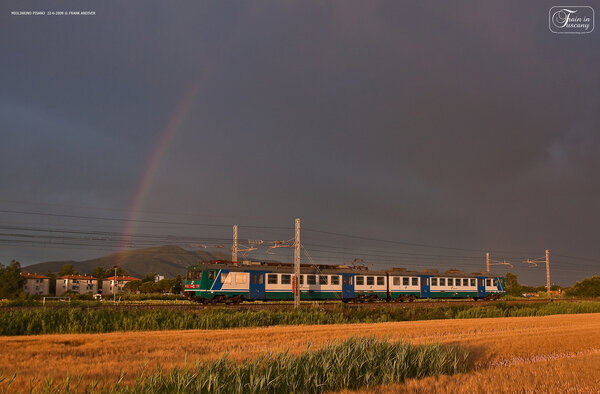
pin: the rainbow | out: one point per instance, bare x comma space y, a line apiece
164, 139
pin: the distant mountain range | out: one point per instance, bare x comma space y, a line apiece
168, 260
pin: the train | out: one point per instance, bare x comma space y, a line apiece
221, 281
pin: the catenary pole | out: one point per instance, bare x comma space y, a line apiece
234, 249
297, 265
548, 272
115, 286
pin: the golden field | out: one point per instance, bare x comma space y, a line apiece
547, 354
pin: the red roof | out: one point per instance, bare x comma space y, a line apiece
126, 278
28, 275
79, 277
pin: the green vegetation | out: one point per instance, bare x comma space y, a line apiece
554, 308
148, 286
67, 269
589, 287
11, 282
351, 364
31, 321
514, 289
354, 363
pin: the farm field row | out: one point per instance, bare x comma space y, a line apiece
507, 353
82, 320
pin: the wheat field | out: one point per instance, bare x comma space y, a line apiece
551, 353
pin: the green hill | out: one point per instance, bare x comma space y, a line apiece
168, 260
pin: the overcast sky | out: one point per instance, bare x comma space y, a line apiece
466, 125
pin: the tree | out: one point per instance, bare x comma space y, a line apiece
164, 285
148, 287
513, 287
111, 272
589, 287
132, 287
67, 269
149, 277
99, 273
52, 280
177, 285
11, 281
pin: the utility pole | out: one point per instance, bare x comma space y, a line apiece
297, 265
234, 249
487, 262
115, 286
548, 272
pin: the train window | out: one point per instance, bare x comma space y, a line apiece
190, 275
323, 279
360, 280
434, 282
405, 281
472, 282
442, 281
488, 282
335, 280
253, 277
396, 280
261, 278
286, 279
415, 281
370, 280
225, 278
272, 279
465, 282
211, 275
311, 279
450, 282
495, 282
301, 279
380, 280
198, 275
240, 277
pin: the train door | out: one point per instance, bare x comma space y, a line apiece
257, 285
501, 284
480, 287
425, 289
347, 286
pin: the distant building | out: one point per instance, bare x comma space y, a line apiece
115, 284
158, 277
35, 284
82, 284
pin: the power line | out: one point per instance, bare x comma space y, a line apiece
136, 220
407, 243
577, 258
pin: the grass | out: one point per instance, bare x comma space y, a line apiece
80, 320
498, 347
351, 364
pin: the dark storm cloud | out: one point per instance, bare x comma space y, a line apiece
467, 125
